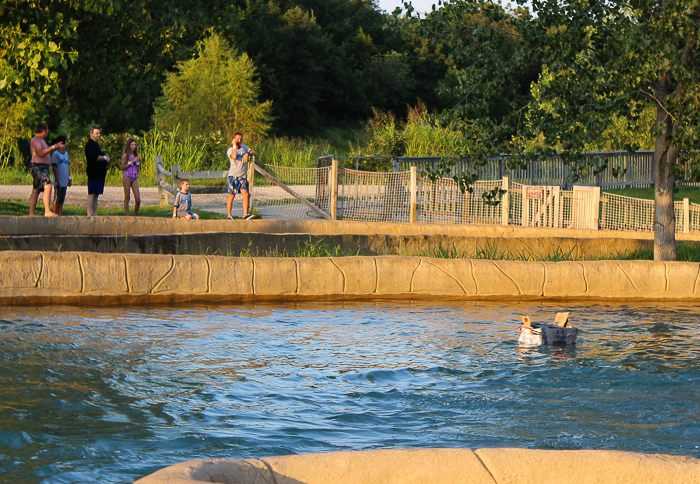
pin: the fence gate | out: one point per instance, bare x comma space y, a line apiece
585, 208
542, 206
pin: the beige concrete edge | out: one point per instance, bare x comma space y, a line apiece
24, 225
439, 465
30, 277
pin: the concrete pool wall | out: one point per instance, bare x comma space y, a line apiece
30, 277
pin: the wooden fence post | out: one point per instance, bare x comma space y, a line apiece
596, 208
250, 176
334, 188
414, 193
505, 202
686, 216
162, 193
525, 218
176, 177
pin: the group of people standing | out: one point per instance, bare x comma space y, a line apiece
45, 156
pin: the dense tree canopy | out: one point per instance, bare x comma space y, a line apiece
104, 61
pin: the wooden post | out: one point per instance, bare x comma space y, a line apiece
596, 208
176, 177
505, 203
557, 213
525, 220
334, 188
628, 170
414, 193
686, 216
250, 176
162, 193
322, 182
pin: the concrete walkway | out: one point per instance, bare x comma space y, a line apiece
114, 197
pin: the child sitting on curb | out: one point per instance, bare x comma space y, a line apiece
183, 202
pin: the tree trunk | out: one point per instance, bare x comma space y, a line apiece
664, 213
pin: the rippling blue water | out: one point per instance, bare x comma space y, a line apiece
110, 395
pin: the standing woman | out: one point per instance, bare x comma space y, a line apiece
96, 169
131, 161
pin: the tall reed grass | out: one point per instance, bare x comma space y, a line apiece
419, 135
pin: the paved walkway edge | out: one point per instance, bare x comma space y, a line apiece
31, 277
23, 225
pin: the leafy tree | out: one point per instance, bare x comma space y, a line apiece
214, 92
603, 62
33, 53
612, 58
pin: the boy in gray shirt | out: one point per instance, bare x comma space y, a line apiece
183, 202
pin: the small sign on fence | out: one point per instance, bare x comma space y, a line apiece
535, 193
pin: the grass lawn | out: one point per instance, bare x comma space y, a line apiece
691, 193
21, 207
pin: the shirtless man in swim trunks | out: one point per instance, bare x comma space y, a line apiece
41, 169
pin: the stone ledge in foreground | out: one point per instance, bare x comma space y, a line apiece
437, 466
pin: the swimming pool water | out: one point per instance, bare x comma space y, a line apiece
110, 395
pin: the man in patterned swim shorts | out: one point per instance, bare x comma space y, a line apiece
237, 175
41, 169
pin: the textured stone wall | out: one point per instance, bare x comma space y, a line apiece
83, 277
439, 466
356, 244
